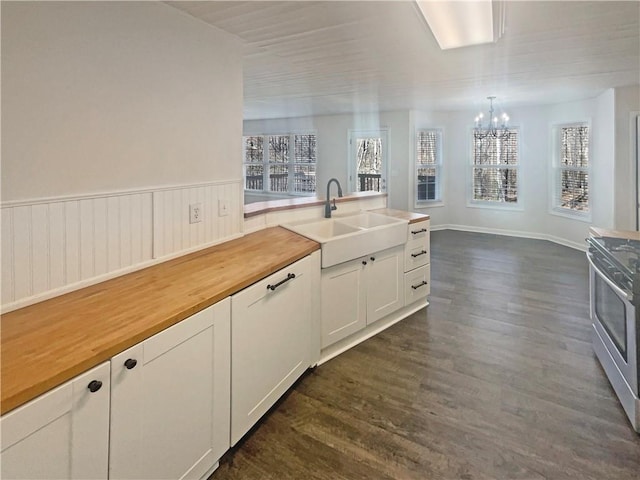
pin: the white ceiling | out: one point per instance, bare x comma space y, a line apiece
314, 58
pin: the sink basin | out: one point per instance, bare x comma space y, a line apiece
343, 238
368, 220
325, 229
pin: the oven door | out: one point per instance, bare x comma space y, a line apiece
614, 319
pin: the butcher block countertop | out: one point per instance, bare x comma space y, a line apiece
604, 232
401, 214
46, 344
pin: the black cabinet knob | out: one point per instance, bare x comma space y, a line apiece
94, 386
373, 259
364, 262
130, 363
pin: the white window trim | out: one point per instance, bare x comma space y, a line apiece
413, 181
471, 203
554, 170
265, 162
385, 134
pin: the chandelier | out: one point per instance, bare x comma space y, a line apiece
491, 130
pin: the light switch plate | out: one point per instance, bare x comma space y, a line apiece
223, 207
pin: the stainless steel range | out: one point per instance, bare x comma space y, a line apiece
615, 311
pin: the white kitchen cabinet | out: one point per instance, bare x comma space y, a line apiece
343, 294
170, 400
62, 434
417, 260
359, 292
384, 283
271, 340
417, 284
417, 249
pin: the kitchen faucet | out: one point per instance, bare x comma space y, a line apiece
327, 206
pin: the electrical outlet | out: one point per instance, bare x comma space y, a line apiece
195, 213
223, 207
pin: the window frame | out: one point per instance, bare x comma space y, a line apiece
555, 189
438, 166
290, 164
491, 204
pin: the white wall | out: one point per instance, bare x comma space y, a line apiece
116, 116
333, 148
627, 107
103, 96
533, 217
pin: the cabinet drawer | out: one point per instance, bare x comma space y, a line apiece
416, 250
417, 256
417, 233
417, 284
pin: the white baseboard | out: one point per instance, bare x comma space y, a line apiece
511, 233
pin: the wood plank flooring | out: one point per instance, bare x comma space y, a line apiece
496, 379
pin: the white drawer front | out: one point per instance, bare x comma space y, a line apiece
417, 233
416, 256
417, 284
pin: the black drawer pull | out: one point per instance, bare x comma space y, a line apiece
290, 276
130, 363
94, 386
422, 230
422, 252
421, 284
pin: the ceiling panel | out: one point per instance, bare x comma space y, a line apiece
313, 58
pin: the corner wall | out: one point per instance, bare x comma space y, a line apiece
627, 108
116, 116
104, 96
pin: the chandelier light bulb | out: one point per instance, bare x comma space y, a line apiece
492, 129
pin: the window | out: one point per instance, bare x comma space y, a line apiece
428, 161
269, 165
571, 170
495, 168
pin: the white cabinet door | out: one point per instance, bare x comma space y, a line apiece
344, 301
170, 400
385, 283
61, 434
270, 341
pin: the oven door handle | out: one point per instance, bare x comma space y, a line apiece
619, 291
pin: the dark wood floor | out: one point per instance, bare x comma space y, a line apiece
496, 379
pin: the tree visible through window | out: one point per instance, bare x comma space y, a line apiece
428, 165
369, 163
275, 169
572, 177
495, 167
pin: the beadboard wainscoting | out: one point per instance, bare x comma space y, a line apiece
53, 246
172, 231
